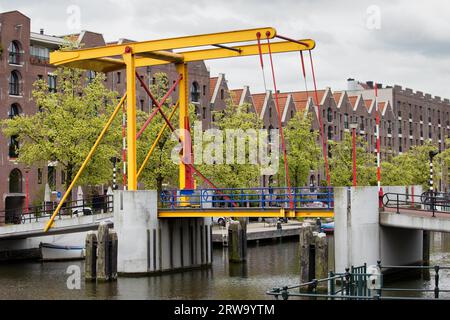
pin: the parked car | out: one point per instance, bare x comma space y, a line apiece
221, 221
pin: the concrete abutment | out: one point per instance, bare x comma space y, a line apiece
149, 245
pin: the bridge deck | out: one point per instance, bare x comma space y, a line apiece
415, 219
246, 212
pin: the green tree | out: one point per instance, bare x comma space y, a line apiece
67, 124
341, 162
303, 152
412, 167
233, 174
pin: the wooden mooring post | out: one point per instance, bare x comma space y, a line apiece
237, 240
101, 254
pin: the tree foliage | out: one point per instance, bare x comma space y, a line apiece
341, 162
233, 175
67, 124
303, 152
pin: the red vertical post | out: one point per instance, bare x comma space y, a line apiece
354, 155
27, 190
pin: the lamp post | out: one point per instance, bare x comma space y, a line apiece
432, 154
27, 189
353, 127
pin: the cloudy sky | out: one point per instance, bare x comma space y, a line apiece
392, 42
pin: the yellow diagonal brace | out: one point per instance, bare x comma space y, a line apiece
161, 131
85, 162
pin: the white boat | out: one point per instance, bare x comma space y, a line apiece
54, 252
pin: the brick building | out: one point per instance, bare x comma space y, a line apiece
24, 58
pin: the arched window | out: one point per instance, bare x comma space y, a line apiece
13, 148
330, 133
14, 54
15, 181
15, 80
14, 111
329, 115
195, 92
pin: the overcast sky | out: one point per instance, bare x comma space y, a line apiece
392, 42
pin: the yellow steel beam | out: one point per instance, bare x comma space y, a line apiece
247, 50
170, 57
131, 120
85, 162
242, 212
112, 64
61, 57
182, 116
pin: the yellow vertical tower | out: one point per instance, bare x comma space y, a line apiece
128, 58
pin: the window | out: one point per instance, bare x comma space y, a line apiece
195, 92
14, 111
39, 176
13, 148
330, 133
362, 123
292, 113
141, 102
400, 145
51, 83
430, 133
15, 181
91, 76
14, 54
221, 94
118, 76
270, 112
15, 85
40, 53
204, 90
63, 177
329, 115
51, 177
389, 128
204, 113
40, 77
346, 121
399, 127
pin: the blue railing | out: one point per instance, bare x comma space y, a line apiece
265, 198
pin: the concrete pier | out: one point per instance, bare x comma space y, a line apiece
149, 245
103, 260
321, 259
90, 262
305, 242
237, 240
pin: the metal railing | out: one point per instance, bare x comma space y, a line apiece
263, 198
88, 206
427, 201
352, 285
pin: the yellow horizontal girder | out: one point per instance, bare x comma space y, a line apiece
246, 50
66, 56
112, 64
280, 213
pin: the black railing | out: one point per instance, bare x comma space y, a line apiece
15, 58
88, 206
353, 284
428, 201
15, 88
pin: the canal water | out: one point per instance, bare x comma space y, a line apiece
270, 264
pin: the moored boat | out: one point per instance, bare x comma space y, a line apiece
55, 252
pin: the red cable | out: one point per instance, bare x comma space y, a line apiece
258, 37
304, 74
324, 146
283, 145
172, 128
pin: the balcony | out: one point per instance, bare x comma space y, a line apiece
39, 60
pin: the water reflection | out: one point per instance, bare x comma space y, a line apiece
269, 264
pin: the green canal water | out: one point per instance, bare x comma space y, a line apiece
269, 265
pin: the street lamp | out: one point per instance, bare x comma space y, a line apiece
353, 127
